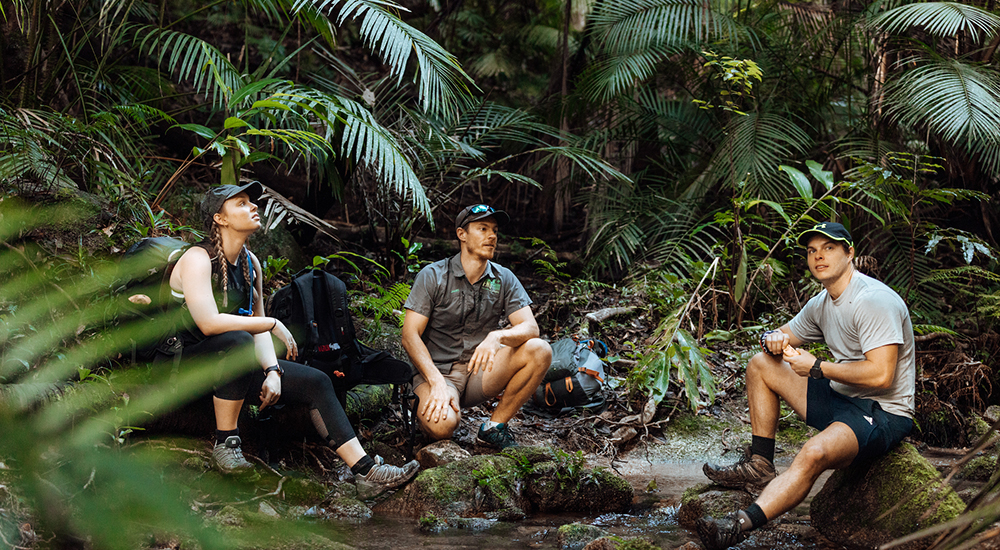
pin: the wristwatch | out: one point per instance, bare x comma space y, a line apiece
816, 371
281, 371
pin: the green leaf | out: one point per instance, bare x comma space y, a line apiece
202, 131
234, 122
799, 181
249, 90
824, 176
270, 104
740, 284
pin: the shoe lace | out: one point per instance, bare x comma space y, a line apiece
383, 473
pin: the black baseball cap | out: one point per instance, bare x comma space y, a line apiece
477, 212
833, 230
215, 196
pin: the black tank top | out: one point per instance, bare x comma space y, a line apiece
239, 293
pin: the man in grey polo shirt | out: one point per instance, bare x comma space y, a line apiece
452, 333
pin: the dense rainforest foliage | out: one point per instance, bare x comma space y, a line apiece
667, 151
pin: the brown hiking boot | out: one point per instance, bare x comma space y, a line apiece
719, 533
751, 473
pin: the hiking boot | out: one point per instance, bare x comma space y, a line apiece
498, 436
229, 456
383, 477
719, 533
750, 473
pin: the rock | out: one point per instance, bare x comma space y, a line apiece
575, 536
440, 453
617, 543
980, 468
563, 486
228, 516
432, 524
710, 500
345, 508
690, 545
872, 489
470, 487
992, 413
509, 485
267, 510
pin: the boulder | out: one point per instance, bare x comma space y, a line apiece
510, 485
477, 486
848, 509
440, 453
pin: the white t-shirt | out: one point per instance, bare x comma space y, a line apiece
866, 316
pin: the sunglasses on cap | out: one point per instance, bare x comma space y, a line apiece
477, 209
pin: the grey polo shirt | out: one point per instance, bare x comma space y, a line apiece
460, 314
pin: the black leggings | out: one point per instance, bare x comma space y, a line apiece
299, 384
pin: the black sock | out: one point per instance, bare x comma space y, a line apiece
220, 435
755, 515
763, 446
363, 466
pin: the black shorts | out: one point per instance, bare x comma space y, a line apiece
877, 431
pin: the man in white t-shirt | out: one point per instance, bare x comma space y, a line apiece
862, 402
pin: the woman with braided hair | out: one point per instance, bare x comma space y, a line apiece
219, 283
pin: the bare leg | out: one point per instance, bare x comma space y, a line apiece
834, 447
227, 413
516, 372
769, 378
351, 452
446, 425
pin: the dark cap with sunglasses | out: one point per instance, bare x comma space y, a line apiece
478, 212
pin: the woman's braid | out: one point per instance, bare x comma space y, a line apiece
216, 239
246, 273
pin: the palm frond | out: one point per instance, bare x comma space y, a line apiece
754, 147
614, 74
190, 58
443, 85
941, 19
956, 100
628, 26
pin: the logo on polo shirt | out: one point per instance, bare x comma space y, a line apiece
869, 419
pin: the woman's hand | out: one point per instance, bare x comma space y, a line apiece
270, 390
281, 331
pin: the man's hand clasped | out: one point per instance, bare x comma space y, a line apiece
775, 342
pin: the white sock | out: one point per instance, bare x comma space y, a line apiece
489, 424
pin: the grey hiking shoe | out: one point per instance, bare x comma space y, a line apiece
383, 477
751, 473
719, 533
498, 436
229, 456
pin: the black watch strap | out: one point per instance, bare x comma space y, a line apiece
816, 371
281, 371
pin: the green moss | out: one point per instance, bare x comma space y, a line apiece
303, 491
694, 492
690, 424
896, 490
976, 429
979, 468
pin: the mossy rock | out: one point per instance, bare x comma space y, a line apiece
529, 455
554, 487
574, 536
473, 487
980, 468
303, 491
710, 500
619, 543
873, 489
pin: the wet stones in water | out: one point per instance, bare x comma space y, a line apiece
575, 536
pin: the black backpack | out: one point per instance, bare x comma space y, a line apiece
574, 381
144, 280
315, 308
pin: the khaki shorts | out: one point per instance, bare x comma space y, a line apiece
469, 386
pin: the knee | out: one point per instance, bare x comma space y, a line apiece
442, 429
540, 353
759, 362
234, 340
814, 456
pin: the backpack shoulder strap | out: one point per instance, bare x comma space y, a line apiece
336, 292
304, 285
